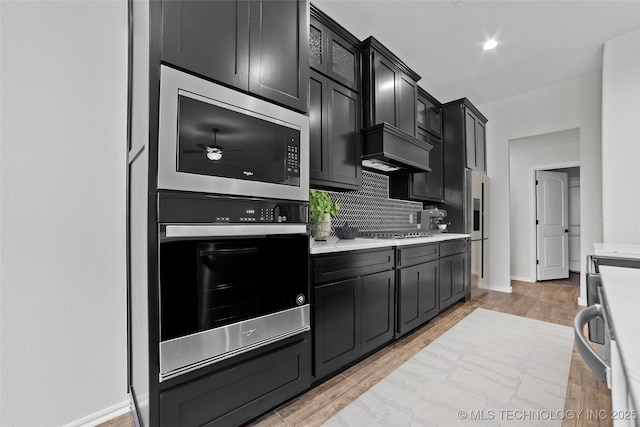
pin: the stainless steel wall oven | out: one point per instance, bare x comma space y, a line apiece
233, 277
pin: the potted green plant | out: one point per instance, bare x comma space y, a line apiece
321, 210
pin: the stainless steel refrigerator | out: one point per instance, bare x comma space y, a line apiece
477, 217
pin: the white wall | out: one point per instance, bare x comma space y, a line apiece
552, 150
62, 199
575, 260
621, 139
574, 104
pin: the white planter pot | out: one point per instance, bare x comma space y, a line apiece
320, 230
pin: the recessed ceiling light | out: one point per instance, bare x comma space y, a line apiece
490, 44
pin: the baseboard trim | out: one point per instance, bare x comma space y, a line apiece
523, 279
103, 415
507, 289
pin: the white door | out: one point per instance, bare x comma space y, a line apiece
552, 225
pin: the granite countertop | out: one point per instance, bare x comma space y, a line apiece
621, 287
334, 244
620, 250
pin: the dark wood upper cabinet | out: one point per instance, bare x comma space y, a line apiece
481, 155
278, 51
259, 46
318, 105
460, 119
422, 186
333, 51
335, 109
390, 89
407, 99
425, 186
385, 77
335, 139
210, 38
470, 139
428, 113
474, 136
464, 133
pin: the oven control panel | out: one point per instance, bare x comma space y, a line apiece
186, 208
251, 215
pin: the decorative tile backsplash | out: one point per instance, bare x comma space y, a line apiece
371, 209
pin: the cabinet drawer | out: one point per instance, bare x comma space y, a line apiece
453, 247
235, 395
351, 264
411, 255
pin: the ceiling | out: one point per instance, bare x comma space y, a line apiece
540, 42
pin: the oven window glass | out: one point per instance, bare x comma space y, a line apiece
208, 284
225, 143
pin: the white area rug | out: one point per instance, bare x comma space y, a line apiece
490, 369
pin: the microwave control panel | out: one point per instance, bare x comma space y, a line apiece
293, 161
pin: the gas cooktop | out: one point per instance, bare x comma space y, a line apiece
395, 234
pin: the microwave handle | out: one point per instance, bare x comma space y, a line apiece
595, 362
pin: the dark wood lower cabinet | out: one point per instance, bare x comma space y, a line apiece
361, 302
377, 293
337, 325
417, 295
237, 394
352, 318
349, 264
354, 307
453, 279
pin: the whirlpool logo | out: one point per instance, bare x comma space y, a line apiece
247, 173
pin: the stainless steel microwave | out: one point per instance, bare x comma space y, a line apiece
217, 140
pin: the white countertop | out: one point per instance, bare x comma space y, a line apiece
622, 291
334, 244
620, 250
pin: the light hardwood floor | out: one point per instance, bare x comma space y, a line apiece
551, 301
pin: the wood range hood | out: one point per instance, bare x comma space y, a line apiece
388, 150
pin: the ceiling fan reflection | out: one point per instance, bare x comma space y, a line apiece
214, 152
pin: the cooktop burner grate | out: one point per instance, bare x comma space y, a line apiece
395, 234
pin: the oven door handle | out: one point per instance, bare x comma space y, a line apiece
228, 251
230, 230
595, 362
